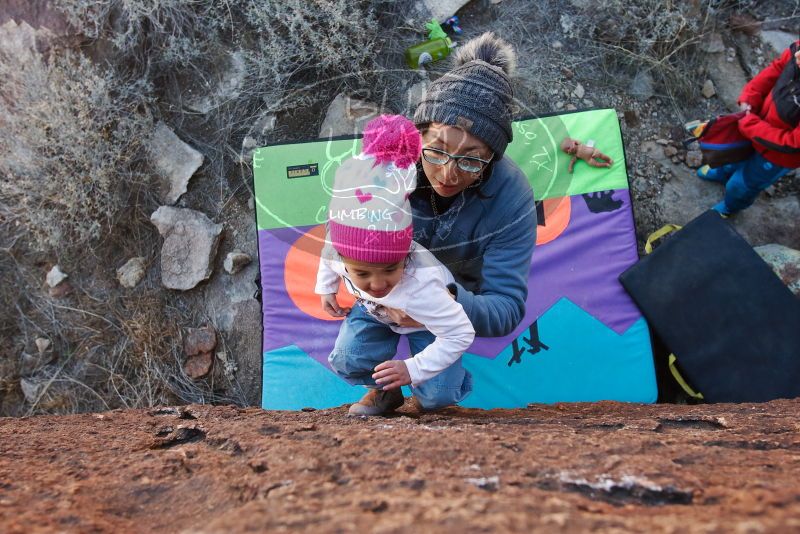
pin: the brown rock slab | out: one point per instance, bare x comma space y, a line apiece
591, 467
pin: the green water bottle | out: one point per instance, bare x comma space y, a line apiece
428, 52
437, 47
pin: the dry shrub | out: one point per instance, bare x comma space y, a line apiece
296, 54
70, 138
324, 39
651, 35
72, 189
158, 33
106, 352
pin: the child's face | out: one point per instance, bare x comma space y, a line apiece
376, 279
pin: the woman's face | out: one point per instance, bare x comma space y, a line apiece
448, 179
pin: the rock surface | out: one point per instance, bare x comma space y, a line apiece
190, 245
347, 116
685, 196
562, 468
785, 262
225, 83
728, 78
174, 161
777, 40
442, 10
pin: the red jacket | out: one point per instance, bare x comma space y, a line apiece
772, 124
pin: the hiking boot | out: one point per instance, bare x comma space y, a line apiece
378, 402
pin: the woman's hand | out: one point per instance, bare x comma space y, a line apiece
392, 374
331, 306
744, 106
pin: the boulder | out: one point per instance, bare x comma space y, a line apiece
713, 44
235, 261
132, 272
199, 346
694, 158
347, 116
785, 262
190, 245
728, 78
777, 40
442, 10
230, 303
17, 39
223, 84
173, 160
642, 86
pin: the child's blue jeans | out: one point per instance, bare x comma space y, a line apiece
744, 181
364, 342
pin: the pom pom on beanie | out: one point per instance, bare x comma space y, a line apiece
392, 139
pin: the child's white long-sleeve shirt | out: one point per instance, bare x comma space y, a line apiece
423, 295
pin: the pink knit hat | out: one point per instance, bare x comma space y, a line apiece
369, 216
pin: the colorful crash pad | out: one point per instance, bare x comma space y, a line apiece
582, 338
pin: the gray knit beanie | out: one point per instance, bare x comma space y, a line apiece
476, 94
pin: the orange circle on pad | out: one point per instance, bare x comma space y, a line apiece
300, 275
557, 212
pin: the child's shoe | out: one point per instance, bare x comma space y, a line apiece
717, 174
722, 209
378, 402
707, 173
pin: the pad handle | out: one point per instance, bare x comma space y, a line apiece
679, 379
648, 248
658, 234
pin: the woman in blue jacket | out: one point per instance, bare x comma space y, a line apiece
473, 208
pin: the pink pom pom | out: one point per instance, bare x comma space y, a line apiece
392, 138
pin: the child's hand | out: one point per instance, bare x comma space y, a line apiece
331, 306
392, 374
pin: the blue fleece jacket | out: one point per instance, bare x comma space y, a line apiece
486, 240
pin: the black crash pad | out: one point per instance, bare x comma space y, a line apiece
732, 324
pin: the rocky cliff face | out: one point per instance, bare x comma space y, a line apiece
567, 467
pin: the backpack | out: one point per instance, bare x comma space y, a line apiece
720, 140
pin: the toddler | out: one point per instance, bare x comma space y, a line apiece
369, 248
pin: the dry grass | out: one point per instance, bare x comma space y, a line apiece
71, 139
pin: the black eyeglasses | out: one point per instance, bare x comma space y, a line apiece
465, 163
